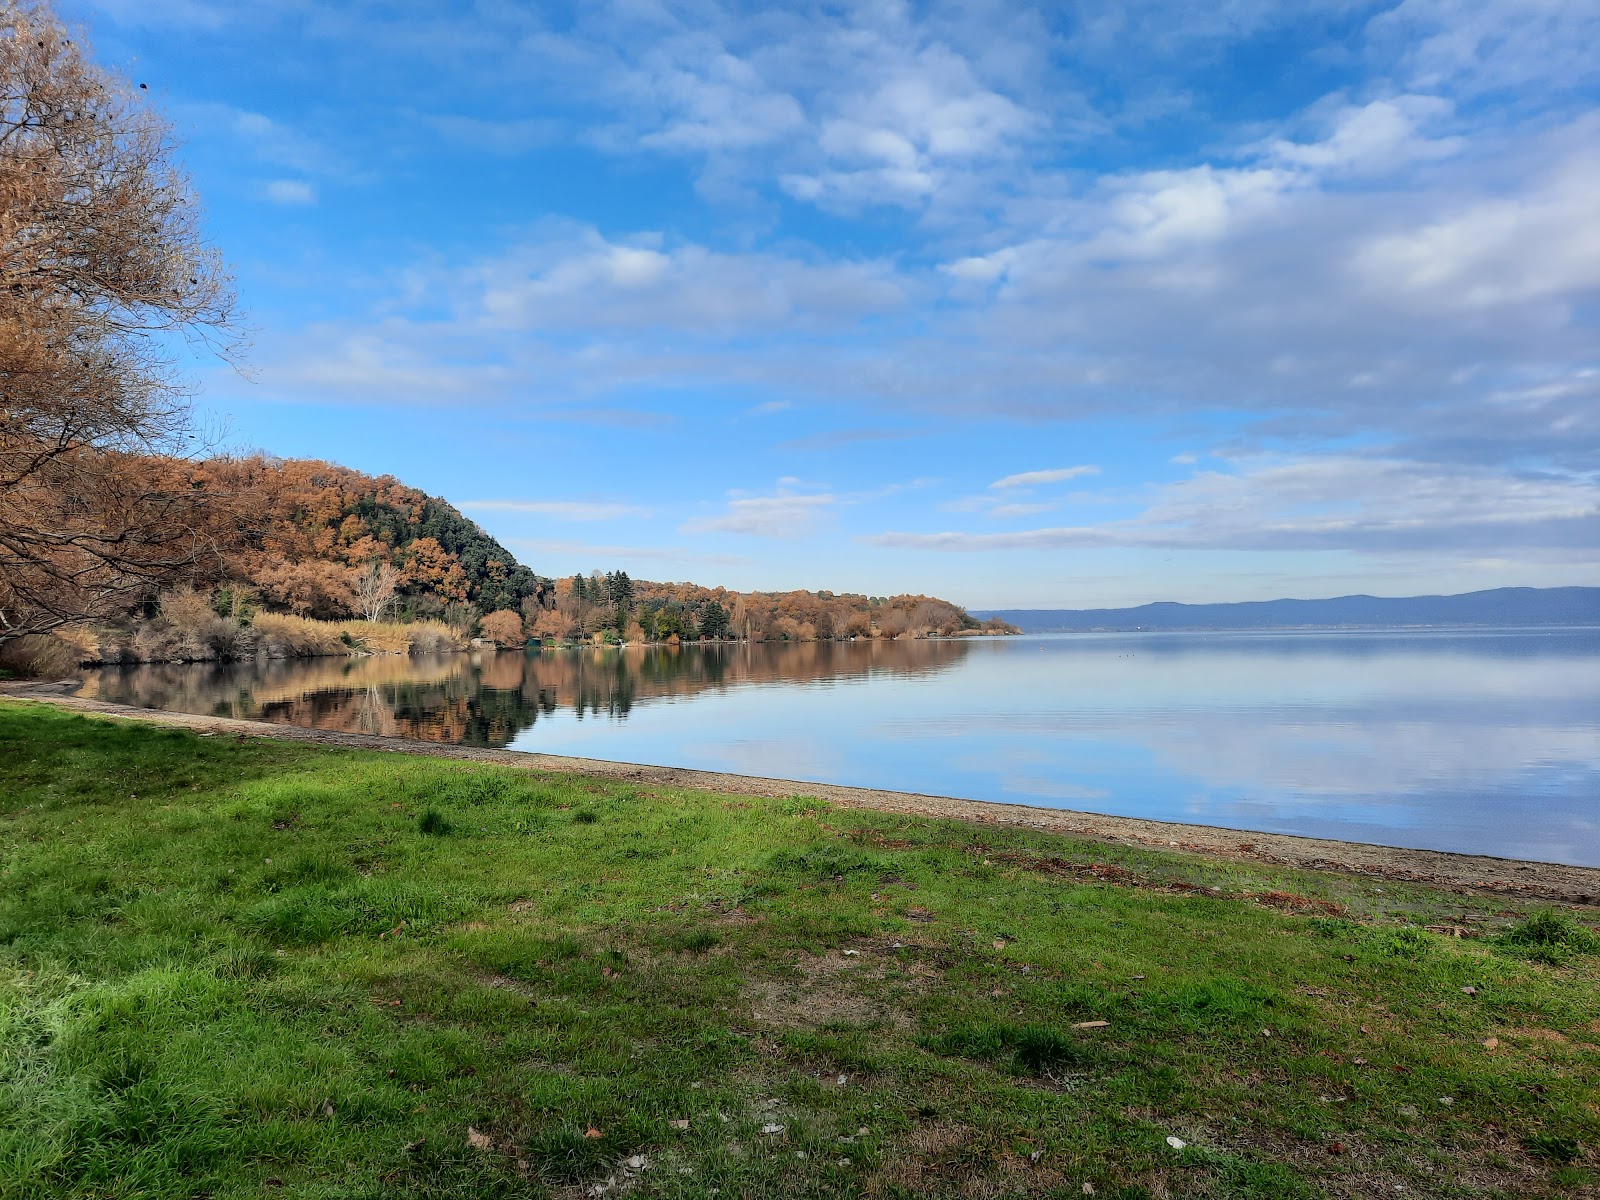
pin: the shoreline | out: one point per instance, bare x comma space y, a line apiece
1484, 874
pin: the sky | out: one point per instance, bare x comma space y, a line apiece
1068, 305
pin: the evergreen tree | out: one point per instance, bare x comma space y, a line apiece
713, 620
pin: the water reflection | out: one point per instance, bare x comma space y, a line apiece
488, 699
1482, 742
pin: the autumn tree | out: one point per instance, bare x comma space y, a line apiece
504, 628
102, 266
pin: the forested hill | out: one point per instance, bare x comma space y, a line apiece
1498, 607
308, 537
302, 534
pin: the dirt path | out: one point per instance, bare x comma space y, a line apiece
1462, 872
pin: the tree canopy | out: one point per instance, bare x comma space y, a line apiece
102, 263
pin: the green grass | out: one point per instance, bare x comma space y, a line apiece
245, 968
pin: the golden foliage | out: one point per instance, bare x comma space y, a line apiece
101, 260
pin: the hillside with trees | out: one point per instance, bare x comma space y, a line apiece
324, 541
613, 606
296, 557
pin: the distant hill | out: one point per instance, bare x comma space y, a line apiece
1500, 606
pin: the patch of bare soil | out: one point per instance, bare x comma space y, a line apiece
1491, 1163
860, 985
946, 1159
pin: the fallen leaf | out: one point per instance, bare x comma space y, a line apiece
1469, 991
999, 943
1088, 1188
591, 1132
1447, 1100
1177, 1143
1335, 1147
327, 1108
1091, 1025
683, 1124
1491, 1043
479, 1141
773, 1128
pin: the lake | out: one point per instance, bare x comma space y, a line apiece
1485, 742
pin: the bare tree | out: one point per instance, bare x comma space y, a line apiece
375, 589
102, 265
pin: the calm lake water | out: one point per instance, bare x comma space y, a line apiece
1485, 742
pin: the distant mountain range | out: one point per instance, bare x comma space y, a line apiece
1500, 606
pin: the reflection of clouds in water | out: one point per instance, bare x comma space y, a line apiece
1367, 759
1535, 823
1053, 789
774, 758
1270, 751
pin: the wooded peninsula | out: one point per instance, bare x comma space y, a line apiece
302, 557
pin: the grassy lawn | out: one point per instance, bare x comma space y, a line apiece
244, 968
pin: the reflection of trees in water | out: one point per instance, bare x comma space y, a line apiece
486, 700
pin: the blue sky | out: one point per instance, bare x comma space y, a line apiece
1063, 305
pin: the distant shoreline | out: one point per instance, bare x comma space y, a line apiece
1497, 608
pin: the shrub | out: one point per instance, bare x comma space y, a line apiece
379, 637
47, 656
1552, 937
281, 636
434, 637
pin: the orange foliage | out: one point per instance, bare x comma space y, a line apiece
504, 628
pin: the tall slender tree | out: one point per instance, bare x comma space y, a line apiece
102, 262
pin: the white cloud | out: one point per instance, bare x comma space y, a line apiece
576, 278
1544, 242
296, 192
566, 510
1477, 46
1055, 475
865, 105
785, 515
1329, 502
1382, 135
